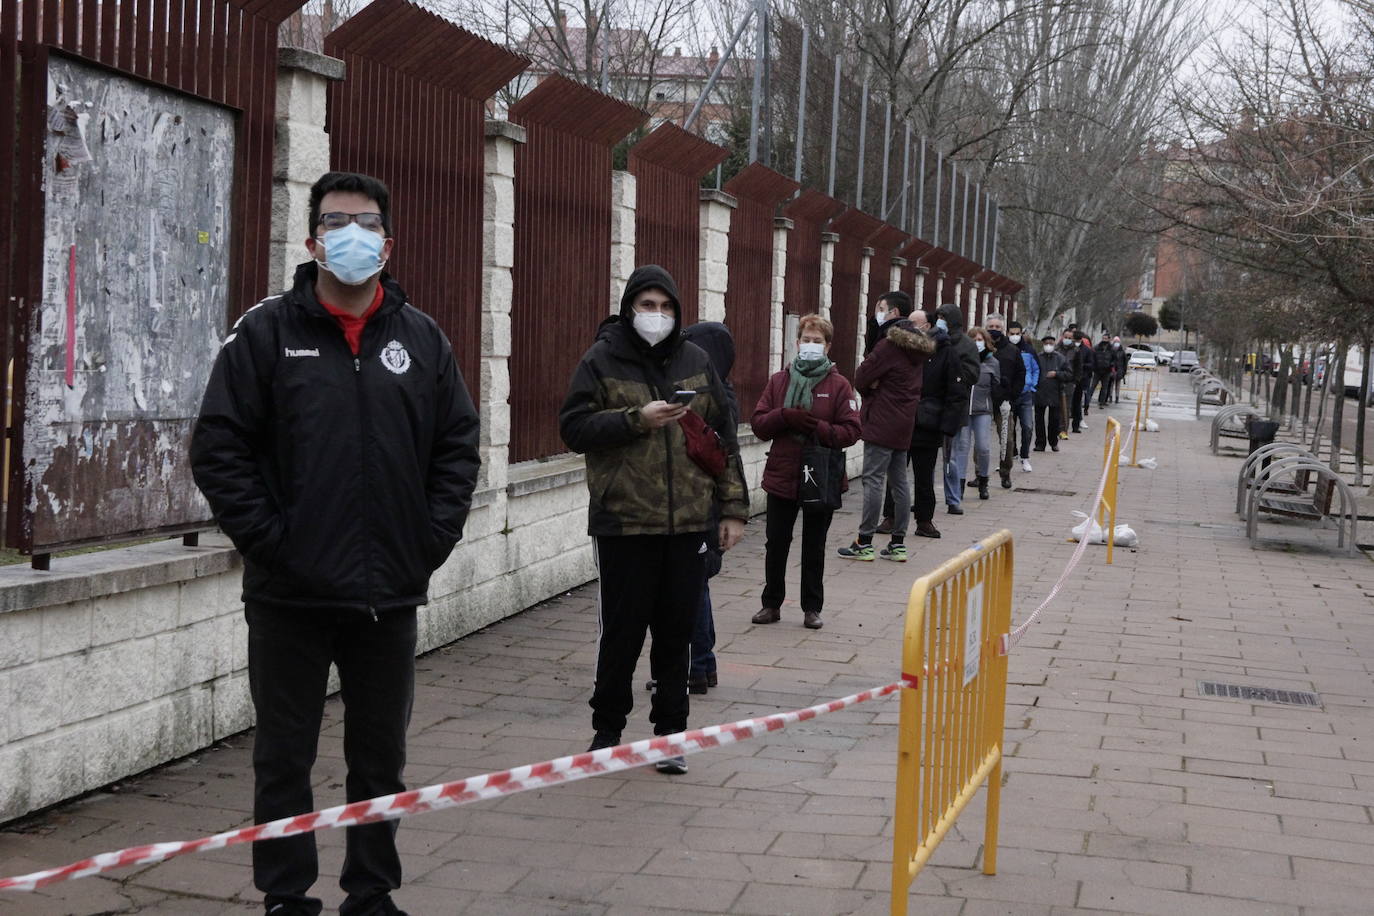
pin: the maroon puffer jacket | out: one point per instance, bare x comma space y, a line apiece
833, 404
889, 379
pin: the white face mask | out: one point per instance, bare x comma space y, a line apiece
941, 324
811, 351
1049, 348
980, 345
653, 326
1014, 338
1078, 343
880, 315
1116, 346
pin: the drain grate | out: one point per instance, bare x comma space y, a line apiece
1021, 489
1258, 694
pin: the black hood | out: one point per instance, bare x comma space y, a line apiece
953, 315
716, 340
651, 276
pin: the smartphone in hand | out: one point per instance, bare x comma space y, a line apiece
682, 396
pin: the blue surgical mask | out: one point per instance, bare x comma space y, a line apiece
352, 254
941, 324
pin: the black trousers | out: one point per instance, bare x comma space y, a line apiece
923, 464
289, 652
1050, 412
1104, 394
782, 520
1080, 394
650, 584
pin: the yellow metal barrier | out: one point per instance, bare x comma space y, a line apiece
958, 621
1111, 461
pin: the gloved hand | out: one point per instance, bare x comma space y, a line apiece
800, 420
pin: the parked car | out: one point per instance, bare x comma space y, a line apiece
1162, 356
1182, 361
1141, 359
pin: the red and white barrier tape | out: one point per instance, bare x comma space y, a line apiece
453, 794
1020, 631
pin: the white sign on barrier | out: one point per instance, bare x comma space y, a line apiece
973, 632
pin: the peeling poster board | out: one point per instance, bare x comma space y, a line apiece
137, 190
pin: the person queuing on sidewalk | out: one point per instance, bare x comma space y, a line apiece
337, 448
1049, 415
1068, 382
809, 399
1105, 372
1081, 371
1024, 409
1121, 361
981, 407
1087, 378
890, 308
950, 319
645, 406
1011, 385
939, 415
889, 379
716, 340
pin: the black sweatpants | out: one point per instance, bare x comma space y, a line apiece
782, 521
923, 463
1077, 399
289, 652
649, 583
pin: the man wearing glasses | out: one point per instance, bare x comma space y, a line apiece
337, 446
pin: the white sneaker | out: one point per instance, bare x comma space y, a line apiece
1083, 424
1025, 464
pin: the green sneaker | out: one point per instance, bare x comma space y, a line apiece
894, 552
857, 551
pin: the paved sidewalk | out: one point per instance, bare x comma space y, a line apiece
1125, 791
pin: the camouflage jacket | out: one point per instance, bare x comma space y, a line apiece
641, 481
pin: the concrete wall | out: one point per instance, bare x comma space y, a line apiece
120, 660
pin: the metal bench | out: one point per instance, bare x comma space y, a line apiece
1230, 423
1212, 391
1259, 459
1264, 498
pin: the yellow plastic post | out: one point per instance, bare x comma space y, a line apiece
1111, 460
1136, 430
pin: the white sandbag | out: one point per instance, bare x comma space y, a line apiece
1089, 525
1151, 426
1125, 536
1157, 402
1149, 464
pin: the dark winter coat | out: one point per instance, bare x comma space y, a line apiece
962, 344
1011, 370
875, 332
641, 480
1104, 358
719, 344
944, 406
343, 480
1047, 392
1087, 364
889, 380
832, 403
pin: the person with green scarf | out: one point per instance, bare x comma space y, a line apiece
810, 398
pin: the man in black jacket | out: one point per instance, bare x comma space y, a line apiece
337, 446
651, 503
950, 319
1012, 382
940, 414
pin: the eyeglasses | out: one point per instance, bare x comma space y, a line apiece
337, 220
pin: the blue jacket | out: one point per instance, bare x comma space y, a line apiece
1032, 370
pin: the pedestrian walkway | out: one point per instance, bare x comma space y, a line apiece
1126, 791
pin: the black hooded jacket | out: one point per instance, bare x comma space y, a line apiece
716, 339
344, 481
641, 480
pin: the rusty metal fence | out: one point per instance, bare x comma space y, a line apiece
561, 282
86, 473
668, 165
411, 112
809, 214
854, 227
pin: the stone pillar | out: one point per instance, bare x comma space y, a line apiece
715, 254
781, 226
975, 310
498, 264
919, 287
301, 155
894, 275
865, 289
958, 299
828, 242
939, 288
622, 235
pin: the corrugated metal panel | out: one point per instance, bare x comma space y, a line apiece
809, 214
749, 294
668, 165
222, 51
854, 228
562, 271
411, 112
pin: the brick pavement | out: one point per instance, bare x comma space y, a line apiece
1125, 792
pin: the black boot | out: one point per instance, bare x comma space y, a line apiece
982, 487
1006, 479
